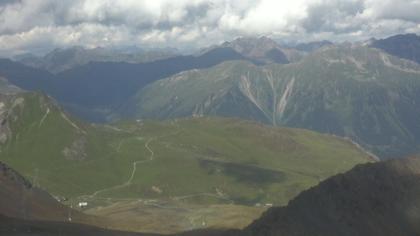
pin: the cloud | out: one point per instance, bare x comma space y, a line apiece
334, 16
39, 25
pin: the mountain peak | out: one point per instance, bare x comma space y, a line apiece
312, 46
252, 43
260, 50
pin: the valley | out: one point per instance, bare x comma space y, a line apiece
243, 137
132, 167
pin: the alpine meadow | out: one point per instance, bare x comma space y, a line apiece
209, 118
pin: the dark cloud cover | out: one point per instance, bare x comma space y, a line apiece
39, 25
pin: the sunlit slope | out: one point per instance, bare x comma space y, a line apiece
346, 90
202, 160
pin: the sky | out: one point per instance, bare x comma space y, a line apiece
40, 25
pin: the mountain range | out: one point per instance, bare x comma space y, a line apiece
362, 91
255, 136
347, 90
94, 89
312, 46
93, 83
60, 60
263, 50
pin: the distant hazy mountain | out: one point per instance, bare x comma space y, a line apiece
95, 89
372, 199
261, 50
347, 90
404, 46
60, 60
312, 46
7, 88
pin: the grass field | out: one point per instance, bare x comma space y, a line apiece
197, 161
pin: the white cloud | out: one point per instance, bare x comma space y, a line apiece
27, 25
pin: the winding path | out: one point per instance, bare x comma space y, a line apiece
151, 158
133, 173
134, 169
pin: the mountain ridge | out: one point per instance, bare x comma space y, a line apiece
327, 91
403, 45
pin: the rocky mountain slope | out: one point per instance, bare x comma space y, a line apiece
312, 46
372, 199
21, 199
28, 210
405, 46
346, 90
262, 50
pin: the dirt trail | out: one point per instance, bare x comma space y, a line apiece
133, 173
151, 158
134, 168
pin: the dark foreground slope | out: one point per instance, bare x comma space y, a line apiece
19, 227
372, 199
28, 210
20, 199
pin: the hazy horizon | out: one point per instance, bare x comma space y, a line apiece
38, 26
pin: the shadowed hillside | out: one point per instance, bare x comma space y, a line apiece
20, 199
93, 90
372, 199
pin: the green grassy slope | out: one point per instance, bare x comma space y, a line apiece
203, 160
346, 90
